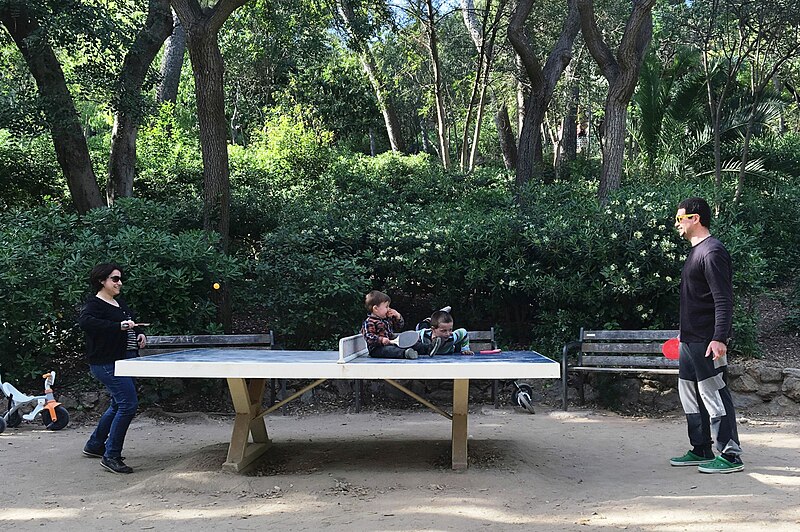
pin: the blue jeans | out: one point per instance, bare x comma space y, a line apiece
114, 423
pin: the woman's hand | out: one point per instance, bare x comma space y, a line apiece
127, 324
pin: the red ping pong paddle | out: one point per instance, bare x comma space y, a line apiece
489, 352
671, 348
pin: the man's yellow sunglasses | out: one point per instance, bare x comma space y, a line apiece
680, 217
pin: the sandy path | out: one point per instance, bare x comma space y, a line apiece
390, 471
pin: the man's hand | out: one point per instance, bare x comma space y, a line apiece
467, 352
717, 349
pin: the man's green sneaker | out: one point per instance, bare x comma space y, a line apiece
689, 459
721, 465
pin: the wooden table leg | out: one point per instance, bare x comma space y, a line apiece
247, 403
460, 410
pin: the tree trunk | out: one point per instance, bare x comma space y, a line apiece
622, 73
70, 145
128, 100
372, 142
202, 31
613, 138
748, 134
384, 103
438, 91
172, 63
508, 145
569, 138
359, 43
542, 81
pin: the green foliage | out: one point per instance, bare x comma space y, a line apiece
169, 160
28, 171
45, 258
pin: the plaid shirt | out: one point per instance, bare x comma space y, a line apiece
375, 328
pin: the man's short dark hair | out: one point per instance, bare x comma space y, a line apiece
101, 272
697, 206
375, 298
439, 317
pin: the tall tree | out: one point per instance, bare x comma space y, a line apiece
485, 46
172, 63
774, 28
358, 41
542, 80
622, 72
202, 26
438, 89
23, 23
128, 98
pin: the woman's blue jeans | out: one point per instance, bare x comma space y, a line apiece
114, 423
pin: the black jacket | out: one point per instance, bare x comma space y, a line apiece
105, 341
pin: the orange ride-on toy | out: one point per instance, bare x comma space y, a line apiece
54, 416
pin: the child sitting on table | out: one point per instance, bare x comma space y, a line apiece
441, 337
378, 329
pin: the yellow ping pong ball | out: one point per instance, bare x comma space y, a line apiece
216, 286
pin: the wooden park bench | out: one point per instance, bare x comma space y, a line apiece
620, 351
478, 341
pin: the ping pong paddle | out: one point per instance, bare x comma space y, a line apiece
406, 339
671, 348
489, 352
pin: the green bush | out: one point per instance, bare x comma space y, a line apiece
45, 258
539, 273
29, 171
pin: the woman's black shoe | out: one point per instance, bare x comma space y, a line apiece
115, 465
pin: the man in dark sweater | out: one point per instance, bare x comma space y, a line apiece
706, 315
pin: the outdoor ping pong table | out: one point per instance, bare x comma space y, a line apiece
247, 371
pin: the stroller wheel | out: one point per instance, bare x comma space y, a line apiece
524, 396
14, 419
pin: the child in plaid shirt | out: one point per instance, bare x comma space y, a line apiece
378, 329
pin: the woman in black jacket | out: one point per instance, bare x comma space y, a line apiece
111, 334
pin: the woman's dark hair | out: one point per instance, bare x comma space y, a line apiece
100, 273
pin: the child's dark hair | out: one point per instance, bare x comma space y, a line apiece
439, 317
101, 272
375, 298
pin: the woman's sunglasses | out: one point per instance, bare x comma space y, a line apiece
116, 278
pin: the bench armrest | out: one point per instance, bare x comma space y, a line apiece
568, 348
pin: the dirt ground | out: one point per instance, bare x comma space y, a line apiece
389, 470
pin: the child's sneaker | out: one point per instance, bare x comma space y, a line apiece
435, 346
722, 465
411, 354
690, 459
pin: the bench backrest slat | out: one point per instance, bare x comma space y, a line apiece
166, 344
626, 335
634, 348
628, 361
